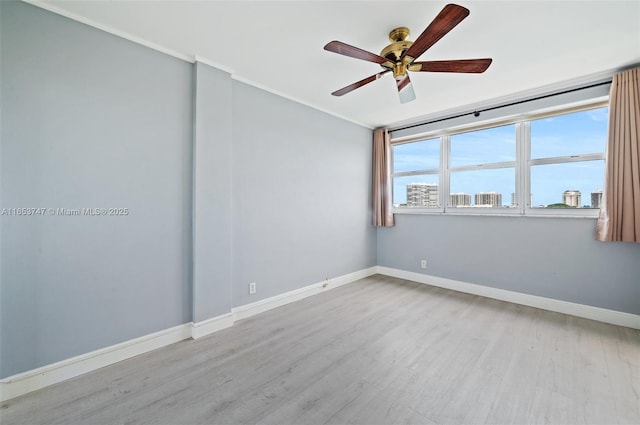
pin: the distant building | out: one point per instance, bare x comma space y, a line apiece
460, 200
489, 199
422, 195
596, 199
572, 198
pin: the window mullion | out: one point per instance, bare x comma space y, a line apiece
445, 149
487, 166
415, 173
568, 158
517, 198
524, 186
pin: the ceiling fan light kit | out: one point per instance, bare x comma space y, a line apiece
399, 56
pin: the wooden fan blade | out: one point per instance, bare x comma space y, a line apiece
450, 16
360, 83
405, 90
471, 66
354, 52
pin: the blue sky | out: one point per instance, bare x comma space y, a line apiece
571, 134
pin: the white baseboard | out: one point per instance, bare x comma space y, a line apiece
209, 326
44, 376
32, 380
248, 310
580, 310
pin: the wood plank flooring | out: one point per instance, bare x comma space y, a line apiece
377, 351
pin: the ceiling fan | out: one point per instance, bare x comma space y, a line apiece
400, 56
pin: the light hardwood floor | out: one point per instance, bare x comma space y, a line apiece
377, 351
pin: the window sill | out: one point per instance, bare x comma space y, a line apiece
494, 213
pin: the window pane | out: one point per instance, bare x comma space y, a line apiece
496, 144
416, 191
570, 134
482, 188
568, 185
415, 156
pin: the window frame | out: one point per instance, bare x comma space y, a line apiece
560, 212
423, 172
522, 165
481, 166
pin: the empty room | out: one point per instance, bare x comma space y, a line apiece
319, 212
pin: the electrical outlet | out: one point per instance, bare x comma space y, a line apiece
252, 288
423, 264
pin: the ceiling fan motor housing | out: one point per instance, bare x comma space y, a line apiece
393, 52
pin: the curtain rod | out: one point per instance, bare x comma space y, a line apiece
477, 112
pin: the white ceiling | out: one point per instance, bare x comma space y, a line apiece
279, 46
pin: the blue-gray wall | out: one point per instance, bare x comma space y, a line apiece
549, 257
212, 189
90, 120
225, 183
300, 195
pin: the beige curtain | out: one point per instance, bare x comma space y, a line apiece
620, 211
382, 203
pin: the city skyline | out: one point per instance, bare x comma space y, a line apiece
426, 195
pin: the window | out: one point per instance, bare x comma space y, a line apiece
482, 168
416, 174
567, 159
549, 164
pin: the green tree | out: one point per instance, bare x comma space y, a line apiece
559, 205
